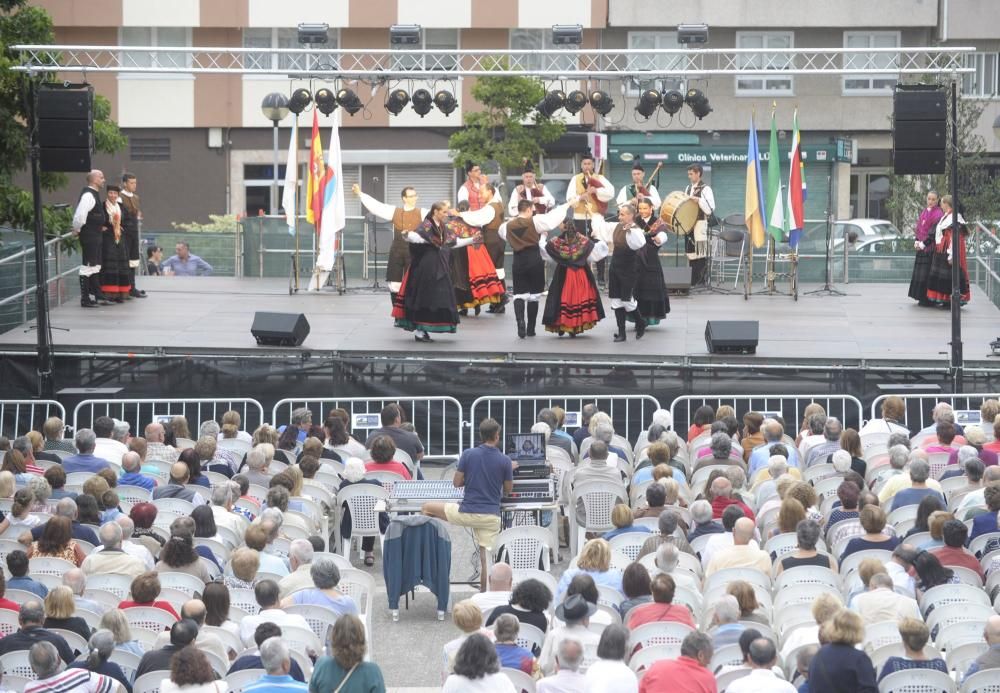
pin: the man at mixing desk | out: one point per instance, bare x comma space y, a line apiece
486, 475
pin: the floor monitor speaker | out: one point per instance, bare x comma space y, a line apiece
732, 336
280, 329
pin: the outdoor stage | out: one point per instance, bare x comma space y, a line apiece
873, 326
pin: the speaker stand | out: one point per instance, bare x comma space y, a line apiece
827, 289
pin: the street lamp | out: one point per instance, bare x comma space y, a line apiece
275, 108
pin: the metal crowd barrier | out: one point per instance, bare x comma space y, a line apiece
845, 407
919, 408
18, 416
140, 412
630, 414
437, 420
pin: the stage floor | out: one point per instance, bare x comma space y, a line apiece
873, 323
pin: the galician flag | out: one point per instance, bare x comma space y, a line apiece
775, 200
289, 194
796, 187
334, 219
753, 206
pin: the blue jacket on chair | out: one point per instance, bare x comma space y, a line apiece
417, 551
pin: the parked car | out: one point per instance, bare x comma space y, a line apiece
857, 230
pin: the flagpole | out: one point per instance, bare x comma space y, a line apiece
295, 206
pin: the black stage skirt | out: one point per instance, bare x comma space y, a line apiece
573, 304
114, 265
528, 271
623, 274
426, 299
91, 246
939, 280
921, 273
496, 247
651, 289
399, 258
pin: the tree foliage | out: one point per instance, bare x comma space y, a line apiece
508, 131
978, 190
20, 23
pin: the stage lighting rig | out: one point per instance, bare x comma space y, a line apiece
692, 33
326, 102
445, 101
404, 35
313, 34
422, 102
649, 101
300, 100
396, 101
698, 102
673, 101
575, 102
553, 101
349, 101
601, 102
567, 34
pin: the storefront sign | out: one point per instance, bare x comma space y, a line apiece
722, 155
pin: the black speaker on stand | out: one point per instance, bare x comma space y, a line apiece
65, 126
919, 129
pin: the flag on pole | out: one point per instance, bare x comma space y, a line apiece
753, 206
333, 218
290, 193
775, 200
317, 178
796, 187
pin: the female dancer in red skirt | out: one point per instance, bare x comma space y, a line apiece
573, 304
473, 272
939, 278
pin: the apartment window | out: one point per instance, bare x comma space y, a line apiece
755, 86
983, 82
443, 40
654, 40
257, 182
155, 37
149, 148
865, 84
270, 39
536, 40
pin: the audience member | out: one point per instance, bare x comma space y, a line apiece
267, 594
609, 672
112, 558
915, 635
191, 672
194, 610
762, 678
744, 552
277, 663
251, 659
594, 560
990, 659
97, 659
17, 566
529, 602
854, 670
60, 612
84, 460
575, 612
144, 591
662, 608
499, 592
511, 654
30, 619
43, 657
325, 576
689, 672
881, 603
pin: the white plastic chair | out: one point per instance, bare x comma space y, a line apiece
185, 582
961, 655
523, 546
239, 680
917, 681
360, 500
730, 655
229, 639
630, 543
982, 682
807, 575
244, 599
148, 683
47, 565
943, 595
723, 681
881, 634
75, 641
133, 494
8, 622
300, 639
359, 586
851, 563
149, 618
319, 618
599, 499
128, 661
647, 656
16, 664
798, 594
660, 633
523, 683
520, 575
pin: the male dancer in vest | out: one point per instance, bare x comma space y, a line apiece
523, 233
628, 239
593, 192
131, 216
634, 192
496, 247
404, 219
696, 242
474, 191
530, 189
88, 222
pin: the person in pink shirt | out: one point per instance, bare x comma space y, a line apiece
662, 608
954, 554
689, 673
995, 445
383, 450
947, 438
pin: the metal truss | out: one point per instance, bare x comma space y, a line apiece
583, 64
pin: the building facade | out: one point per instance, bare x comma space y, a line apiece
200, 144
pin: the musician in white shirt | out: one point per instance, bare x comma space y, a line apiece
534, 191
696, 242
637, 189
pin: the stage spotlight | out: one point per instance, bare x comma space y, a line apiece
698, 102
552, 102
422, 102
445, 102
300, 100
673, 101
567, 34
649, 101
575, 102
396, 101
692, 33
326, 102
349, 101
601, 102
404, 35
312, 34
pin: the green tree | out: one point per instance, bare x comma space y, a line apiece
508, 131
20, 23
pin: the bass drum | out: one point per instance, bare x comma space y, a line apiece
680, 212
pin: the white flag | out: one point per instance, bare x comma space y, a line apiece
334, 217
288, 195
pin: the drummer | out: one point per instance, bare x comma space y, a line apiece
634, 193
696, 244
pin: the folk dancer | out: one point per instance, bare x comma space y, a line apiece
114, 256
426, 299
924, 245
636, 190
696, 242
573, 305
404, 218
88, 221
651, 288
473, 190
593, 192
524, 233
939, 278
533, 191
131, 216
496, 248
628, 239
473, 272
